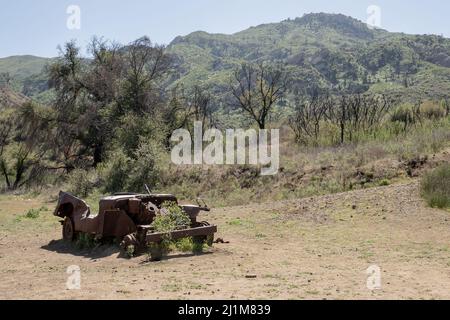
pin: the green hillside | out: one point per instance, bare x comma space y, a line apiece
11, 99
322, 52
22, 67
27, 76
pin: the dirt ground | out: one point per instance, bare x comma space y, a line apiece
316, 248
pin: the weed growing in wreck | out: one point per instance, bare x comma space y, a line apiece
130, 251
86, 241
172, 217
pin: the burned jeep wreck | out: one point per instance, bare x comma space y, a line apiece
128, 218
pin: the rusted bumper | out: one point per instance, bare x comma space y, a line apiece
178, 234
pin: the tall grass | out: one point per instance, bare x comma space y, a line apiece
305, 170
436, 187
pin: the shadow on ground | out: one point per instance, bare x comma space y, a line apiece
100, 251
177, 256
106, 250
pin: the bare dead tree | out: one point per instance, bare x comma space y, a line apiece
257, 88
308, 116
354, 115
375, 107
338, 114
358, 114
199, 102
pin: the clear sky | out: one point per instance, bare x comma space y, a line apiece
37, 27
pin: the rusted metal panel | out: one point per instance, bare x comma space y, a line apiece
117, 224
178, 234
134, 206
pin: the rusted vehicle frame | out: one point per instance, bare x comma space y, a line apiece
128, 218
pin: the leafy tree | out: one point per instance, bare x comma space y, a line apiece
96, 97
23, 146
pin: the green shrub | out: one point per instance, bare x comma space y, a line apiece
146, 168
114, 172
130, 251
436, 187
33, 213
123, 173
134, 129
82, 182
184, 245
197, 247
172, 217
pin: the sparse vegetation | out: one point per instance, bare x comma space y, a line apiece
33, 214
432, 110
436, 187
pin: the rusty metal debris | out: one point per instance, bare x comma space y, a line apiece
220, 240
128, 218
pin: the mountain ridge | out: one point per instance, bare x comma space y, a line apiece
326, 51
330, 51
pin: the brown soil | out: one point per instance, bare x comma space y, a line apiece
316, 248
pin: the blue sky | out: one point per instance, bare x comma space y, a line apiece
37, 27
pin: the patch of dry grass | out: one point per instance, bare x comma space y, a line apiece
436, 187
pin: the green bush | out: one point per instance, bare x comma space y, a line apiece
123, 173
146, 168
33, 213
135, 129
436, 187
115, 171
185, 245
172, 217
82, 182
